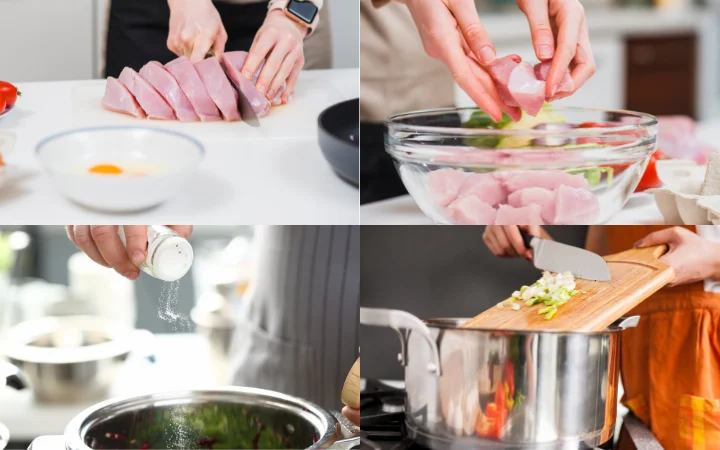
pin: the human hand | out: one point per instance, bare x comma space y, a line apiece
353, 415
505, 240
279, 43
692, 257
103, 245
564, 19
452, 33
195, 29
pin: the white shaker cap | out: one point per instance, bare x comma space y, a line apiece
172, 259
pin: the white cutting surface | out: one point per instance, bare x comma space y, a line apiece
183, 362
272, 175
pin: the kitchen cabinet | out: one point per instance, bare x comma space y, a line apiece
47, 40
661, 74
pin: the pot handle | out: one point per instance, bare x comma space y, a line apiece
627, 322
403, 323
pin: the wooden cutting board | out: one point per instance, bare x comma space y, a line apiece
635, 275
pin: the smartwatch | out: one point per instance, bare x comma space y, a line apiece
303, 12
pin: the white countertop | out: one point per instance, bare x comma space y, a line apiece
272, 175
183, 362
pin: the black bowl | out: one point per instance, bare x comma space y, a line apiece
339, 138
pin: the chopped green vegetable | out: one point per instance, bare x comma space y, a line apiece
550, 290
551, 314
481, 120
594, 174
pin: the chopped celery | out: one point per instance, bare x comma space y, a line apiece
551, 314
552, 290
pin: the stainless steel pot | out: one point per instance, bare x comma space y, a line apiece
182, 419
473, 388
71, 358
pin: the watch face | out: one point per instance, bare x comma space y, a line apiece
303, 10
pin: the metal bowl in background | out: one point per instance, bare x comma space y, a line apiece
232, 417
339, 138
71, 359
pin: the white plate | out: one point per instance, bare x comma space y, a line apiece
168, 159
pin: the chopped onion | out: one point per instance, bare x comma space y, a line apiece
550, 290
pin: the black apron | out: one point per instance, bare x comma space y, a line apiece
378, 178
138, 31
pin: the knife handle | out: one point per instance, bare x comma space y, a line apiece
527, 238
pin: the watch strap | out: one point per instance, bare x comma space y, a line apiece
282, 5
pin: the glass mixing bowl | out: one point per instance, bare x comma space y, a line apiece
565, 166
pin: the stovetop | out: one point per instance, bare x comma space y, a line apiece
382, 418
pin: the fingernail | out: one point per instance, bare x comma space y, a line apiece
270, 93
137, 257
261, 88
247, 75
131, 275
486, 54
638, 243
546, 51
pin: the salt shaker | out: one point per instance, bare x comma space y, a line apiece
169, 255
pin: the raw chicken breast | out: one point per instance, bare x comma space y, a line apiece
526, 215
500, 70
219, 88
546, 179
235, 60
149, 99
191, 84
117, 98
485, 187
526, 89
471, 211
566, 83
168, 87
444, 184
535, 196
575, 206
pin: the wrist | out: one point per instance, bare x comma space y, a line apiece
279, 14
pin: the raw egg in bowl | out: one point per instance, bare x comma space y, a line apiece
120, 169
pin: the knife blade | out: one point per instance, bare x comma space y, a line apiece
558, 257
246, 110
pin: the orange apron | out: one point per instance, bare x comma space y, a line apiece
670, 363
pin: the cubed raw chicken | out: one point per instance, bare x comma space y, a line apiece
187, 77
168, 87
471, 211
219, 88
535, 196
149, 99
260, 103
117, 98
526, 89
444, 184
526, 215
546, 179
535, 157
575, 206
500, 70
566, 83
485, 187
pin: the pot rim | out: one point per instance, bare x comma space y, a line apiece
319, 417
438, 322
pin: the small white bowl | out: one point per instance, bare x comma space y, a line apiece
167, 157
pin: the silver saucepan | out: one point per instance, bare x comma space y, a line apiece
231, 417
474, 388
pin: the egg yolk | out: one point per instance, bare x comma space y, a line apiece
106, 169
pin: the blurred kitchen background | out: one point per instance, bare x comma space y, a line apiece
56, 40
42, 274
655, 56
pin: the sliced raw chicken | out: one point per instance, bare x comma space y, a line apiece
117, 98
575, 206
240, 62
149, 99
471, 211
168, 87
444, 184
566, 83
485, 187
260, 104
546, 179
526, 215
535, 196
526, 89
219, 88
189, 80
500, 70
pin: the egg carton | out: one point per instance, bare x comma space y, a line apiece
679, 200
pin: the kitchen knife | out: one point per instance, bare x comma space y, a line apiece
557, 257
246, 110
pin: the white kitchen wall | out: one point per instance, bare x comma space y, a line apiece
345, 18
